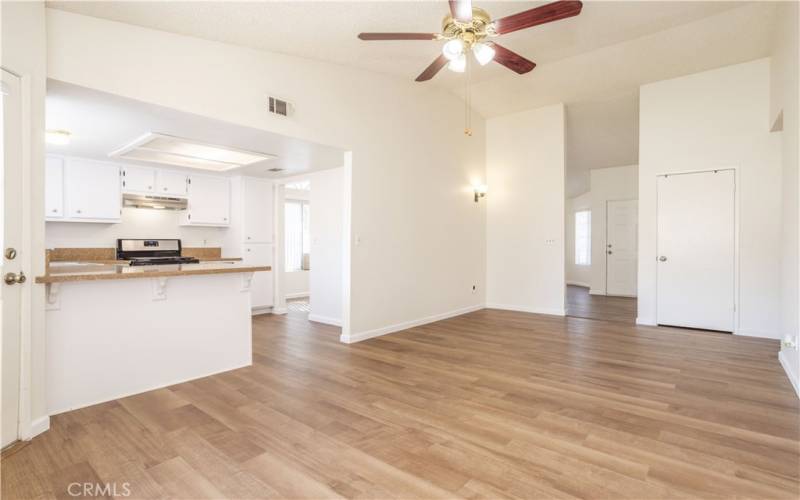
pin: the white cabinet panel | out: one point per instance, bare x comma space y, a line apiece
261, 288
209, 200
138, 180
171, 183
54, 188
258, 210
92, 190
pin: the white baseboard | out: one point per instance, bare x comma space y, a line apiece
527, 309
324, 319
791, 369
753, 333
297, 295
260, 310
594, 291
377, 332
279, 310
36, 427
645, 322
579, 283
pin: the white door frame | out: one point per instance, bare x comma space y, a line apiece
605, 247
736, 219
26, 428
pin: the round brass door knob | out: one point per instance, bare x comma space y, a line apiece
12, 278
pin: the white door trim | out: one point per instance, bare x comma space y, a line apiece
605, 247
736, 219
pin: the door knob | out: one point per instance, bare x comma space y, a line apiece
11, 278
11, 253
610, 252
662, 259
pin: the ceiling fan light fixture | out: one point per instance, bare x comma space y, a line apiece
453, 49
458, 64
484, 53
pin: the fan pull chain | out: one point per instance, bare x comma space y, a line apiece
468, 99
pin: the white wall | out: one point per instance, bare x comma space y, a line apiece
24, 52
525, 211
135, 223
718, 118
784, 99
608, 184
327, 217
418, 240
576, 275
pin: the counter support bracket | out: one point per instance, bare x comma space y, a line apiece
53, 297
159, 288
247, 281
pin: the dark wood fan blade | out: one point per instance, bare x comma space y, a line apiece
540, 15
434, 68
397, 36
461, 10
511, 59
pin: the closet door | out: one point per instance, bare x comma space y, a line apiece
696, 252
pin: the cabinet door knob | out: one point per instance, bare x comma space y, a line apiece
55, 210
149, 187
78, 211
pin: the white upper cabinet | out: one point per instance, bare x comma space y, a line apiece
171, 183
258, 210
209, 201
138, 180
92, 191
54, 188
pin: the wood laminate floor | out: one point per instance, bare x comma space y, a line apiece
581, 304
492, 404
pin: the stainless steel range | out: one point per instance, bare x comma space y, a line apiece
142, 252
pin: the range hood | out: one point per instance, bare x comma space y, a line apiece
154, 202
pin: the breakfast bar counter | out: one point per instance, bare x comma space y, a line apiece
115, 330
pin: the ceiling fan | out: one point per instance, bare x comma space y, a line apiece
467, 28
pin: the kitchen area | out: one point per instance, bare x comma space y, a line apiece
162, 233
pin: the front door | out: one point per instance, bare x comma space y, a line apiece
10, 239
621, 247
696, 250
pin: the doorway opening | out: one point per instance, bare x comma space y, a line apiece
297, 246
602, 247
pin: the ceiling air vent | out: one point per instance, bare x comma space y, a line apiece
280, 107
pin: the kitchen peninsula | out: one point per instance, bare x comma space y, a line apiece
115, 330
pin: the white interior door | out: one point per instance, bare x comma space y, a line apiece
11, 234
621, 247
696, 250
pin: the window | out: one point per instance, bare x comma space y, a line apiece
298, 240
583, 238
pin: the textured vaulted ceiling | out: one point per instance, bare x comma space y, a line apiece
327, 30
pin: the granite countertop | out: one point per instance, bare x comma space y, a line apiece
59, 272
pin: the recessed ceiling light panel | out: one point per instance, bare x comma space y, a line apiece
177, 151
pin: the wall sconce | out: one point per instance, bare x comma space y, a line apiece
480, 191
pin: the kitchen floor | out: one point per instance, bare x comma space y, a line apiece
491, 404
300, 305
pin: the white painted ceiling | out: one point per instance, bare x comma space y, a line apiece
101, 123
327, 30
600, 134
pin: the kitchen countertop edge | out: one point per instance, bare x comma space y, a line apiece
61, 278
